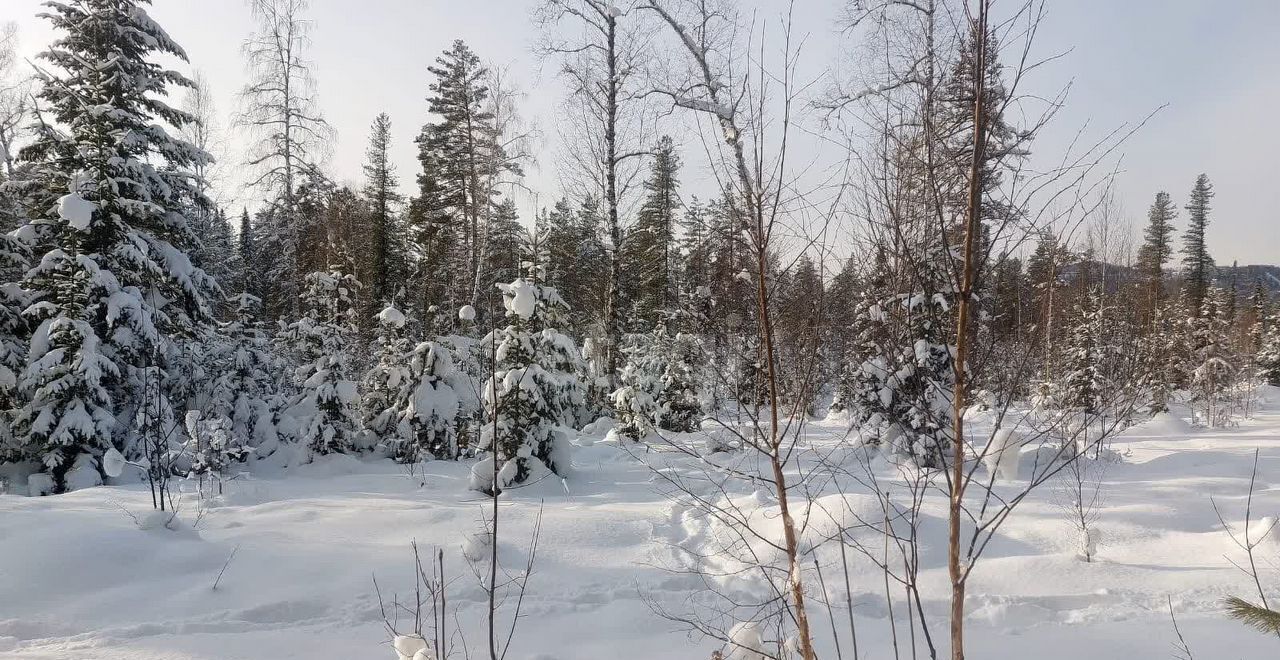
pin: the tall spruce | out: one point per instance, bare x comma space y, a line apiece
383, 199
114, 288
650, 250
1156, 250
1196, 263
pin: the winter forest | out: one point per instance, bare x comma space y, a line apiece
856, 366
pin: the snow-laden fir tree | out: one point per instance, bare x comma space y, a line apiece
1213, 361
14, 299
1084, 382
1268, 357
387, 377
901, 393
326, 410
635, 403
113, 285
528, 397
246, 395
659, 385
680, 402
432, 405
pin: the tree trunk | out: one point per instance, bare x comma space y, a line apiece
955, 567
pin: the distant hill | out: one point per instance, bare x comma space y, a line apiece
1245, 276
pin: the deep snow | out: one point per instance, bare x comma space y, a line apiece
79, 579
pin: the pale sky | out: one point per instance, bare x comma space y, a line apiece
1215, 63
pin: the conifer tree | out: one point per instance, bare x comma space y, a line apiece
246, 255
14, 258
386, 380
114, 251
432, 231
528, 395
247, 390
1196, 263
635, 402
383, 198
1259, 303
433, 406
466, 156
321, 339
1157, 249
650, 250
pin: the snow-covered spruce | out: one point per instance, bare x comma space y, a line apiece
658, 385
900, 392
529, 397
113, 288
14, 258
326, 409
435, 400
247, 390
387, 379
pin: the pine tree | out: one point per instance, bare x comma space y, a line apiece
321, 339
114, 253
466, 157
381, 194
1196, 262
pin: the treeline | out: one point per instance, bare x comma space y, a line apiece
141, 320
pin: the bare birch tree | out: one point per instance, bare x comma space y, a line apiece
15, 97
279, 108
601, 67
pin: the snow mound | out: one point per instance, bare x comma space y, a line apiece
332, 465
412, 647
392, 317
467, 313
76, 210
521, 299
1163, 424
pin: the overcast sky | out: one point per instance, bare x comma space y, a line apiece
1215, 63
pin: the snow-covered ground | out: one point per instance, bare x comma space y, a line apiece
80, 580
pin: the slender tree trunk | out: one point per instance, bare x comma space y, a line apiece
613, 331
955, 567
